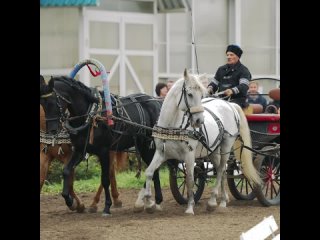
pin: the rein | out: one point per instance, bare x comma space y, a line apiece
114, 107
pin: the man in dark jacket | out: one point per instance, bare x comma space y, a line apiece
232, 78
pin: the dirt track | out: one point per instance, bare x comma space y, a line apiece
57, 222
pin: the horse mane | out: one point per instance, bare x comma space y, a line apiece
79, 86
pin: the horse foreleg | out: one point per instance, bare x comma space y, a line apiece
80, 206
139, 204
94, 205
67, 172
44, 166
114, 190
157, 190
105, 180
147, 158
155, 164
189, 161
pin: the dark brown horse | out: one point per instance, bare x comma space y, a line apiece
62, 152
67, 100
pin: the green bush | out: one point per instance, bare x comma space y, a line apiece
82, 171
126, 180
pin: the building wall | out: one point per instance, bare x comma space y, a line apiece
59, 33
212, 25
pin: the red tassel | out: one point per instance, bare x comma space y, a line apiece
97, 73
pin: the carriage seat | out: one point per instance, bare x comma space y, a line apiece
264, 117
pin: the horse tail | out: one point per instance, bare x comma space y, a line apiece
246, 156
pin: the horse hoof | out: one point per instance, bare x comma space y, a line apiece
151, 208
223, 204
189, 211
106, 214
117, 204
138, 209
93, 209
159, 208
80, 208
138, 206
211, 208
74, 206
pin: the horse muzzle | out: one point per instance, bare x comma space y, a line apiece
52, 127
197, 119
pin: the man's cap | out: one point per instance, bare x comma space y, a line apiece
235, 49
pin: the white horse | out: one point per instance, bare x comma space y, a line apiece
223, 122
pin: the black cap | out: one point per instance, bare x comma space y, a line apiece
235, 49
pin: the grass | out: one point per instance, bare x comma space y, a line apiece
124, 180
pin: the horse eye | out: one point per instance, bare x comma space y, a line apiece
190, 95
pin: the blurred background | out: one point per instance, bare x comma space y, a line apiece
143, 42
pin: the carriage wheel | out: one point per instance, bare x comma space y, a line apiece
238, 184
269, 166
178, 182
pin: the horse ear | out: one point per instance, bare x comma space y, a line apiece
186, 75
42, 81
51, 83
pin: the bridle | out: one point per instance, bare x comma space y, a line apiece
64, 113
190, 110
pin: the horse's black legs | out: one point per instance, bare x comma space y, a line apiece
105, 181
157, 187
66, 179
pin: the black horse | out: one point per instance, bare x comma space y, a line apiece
67, 100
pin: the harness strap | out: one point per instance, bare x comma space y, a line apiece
235, 117
143, 122
221, 129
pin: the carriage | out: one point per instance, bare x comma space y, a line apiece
265, 135
241, 188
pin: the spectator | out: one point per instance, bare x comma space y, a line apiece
254, 96
161, 90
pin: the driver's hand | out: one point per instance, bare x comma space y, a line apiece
209, 91
228, 92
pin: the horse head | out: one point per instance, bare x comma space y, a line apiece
69, 97
188, 92
50, 106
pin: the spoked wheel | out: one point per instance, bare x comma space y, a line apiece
178, 185
238, 184
269, 166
